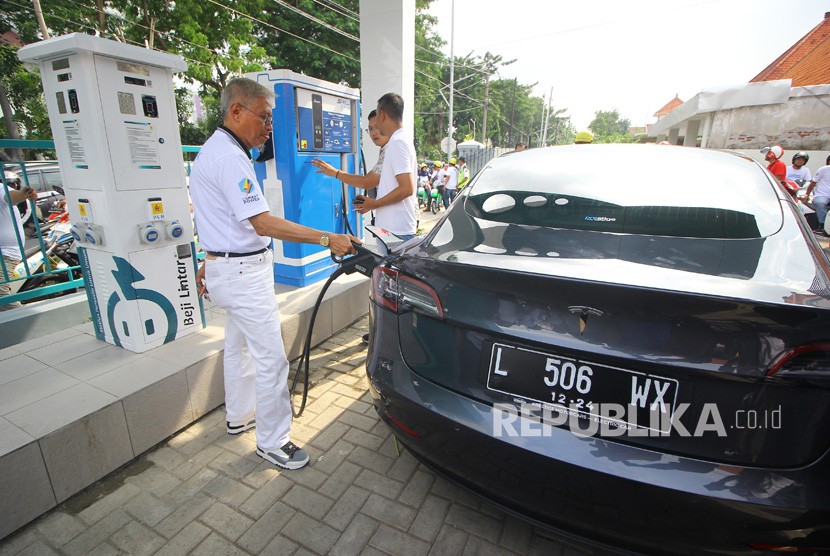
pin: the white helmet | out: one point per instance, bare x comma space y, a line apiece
774, 153
12, 179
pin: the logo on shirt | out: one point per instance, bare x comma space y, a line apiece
245, 186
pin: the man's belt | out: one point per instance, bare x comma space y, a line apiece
224, 254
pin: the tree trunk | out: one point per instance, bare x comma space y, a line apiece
11, 125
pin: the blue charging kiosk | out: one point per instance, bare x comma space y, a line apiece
312, 119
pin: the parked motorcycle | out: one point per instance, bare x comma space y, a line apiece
49, 265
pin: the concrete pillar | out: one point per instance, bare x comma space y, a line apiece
707, 130
387, 61
692, 129
674, 133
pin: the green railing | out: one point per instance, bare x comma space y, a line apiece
67, 278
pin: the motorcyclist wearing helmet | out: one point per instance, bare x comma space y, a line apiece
776, 167
584, 137
798, 172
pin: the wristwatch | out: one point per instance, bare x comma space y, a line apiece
324, 240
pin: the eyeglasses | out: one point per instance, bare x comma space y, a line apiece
266, 121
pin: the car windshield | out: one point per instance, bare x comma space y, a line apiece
639, 189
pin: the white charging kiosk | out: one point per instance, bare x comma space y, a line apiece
113, 115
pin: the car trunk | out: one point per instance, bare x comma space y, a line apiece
691, 366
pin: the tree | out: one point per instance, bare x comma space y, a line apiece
609, 127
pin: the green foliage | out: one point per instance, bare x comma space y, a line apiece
609, 127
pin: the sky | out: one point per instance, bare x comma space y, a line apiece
630, 55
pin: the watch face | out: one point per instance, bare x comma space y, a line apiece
324, 240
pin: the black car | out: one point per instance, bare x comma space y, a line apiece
625, 343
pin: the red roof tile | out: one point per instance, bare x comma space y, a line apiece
805, 62
671, 105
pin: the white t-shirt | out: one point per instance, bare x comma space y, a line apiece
8, 241
452, 172
438, 177
802, 173
399, 158
822, 180
225, 195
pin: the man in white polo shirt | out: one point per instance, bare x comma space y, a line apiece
235, 227
396, 206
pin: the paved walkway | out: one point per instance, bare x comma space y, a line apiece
205, 492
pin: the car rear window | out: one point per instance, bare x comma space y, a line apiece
644, 190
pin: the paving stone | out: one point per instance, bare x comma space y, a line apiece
430, 518
226, 521
308, 476
450, 541
390, 512
266, 496
148, 509
340, 480
136, 539
84, 543
166, 457
371, 460
234, 465
185, 540
541, 546
58, 528
155, 480
266, 528
262, 475
394, 541
474, 522
378, 483
516, 535
346, 507
329, 436
189, 510
332, 458
354, 418
416, 489
366, 439
109, 503
307, 501
196, 462
476, 546
281, 546
214, 545
311, 533
190, 487
18, 541
228, 491
354, 539
38, 548
404, 467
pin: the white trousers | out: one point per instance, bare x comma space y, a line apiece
256, 380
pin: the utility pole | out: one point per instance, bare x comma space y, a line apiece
452, 79
547, 119
486, 104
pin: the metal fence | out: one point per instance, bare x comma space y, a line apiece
54, 280
476, 160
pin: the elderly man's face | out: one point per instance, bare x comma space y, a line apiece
253, 119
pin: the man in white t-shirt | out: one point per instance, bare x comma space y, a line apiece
235, 227
451, 183
798, 172
821, 200
9, 221
396, 206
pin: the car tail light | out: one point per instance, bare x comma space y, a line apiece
399, 293
810, 362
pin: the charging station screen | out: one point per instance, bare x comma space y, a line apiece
324, 122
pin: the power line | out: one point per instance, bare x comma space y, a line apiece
316, 20
337, 8
261, 22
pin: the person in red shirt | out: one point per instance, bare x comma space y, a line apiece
776, 167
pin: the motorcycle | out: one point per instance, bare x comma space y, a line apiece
48, 265
434, 203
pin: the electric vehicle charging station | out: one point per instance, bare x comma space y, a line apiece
113, 116
312, 119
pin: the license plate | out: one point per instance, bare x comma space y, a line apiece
570, 384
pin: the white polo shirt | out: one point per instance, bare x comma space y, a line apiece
225, 195
399, 158
8, 239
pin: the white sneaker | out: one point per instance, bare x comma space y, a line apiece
289, 456
237, 428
